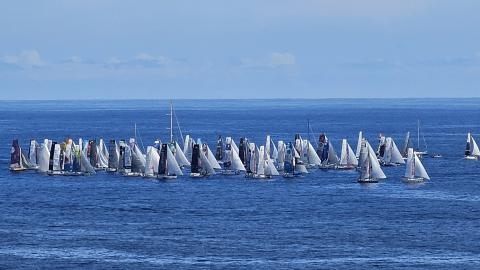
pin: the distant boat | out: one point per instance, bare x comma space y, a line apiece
231, 161
18, 161
114, 156
168, 167
418, 151
289, 167
280, 156
200, 166
328, 156
370, 171
391, 155
348, 159
415, 172
471, 152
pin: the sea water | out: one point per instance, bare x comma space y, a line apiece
322, 220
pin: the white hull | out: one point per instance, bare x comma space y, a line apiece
197, 175
413, 179
166, 177
471, 157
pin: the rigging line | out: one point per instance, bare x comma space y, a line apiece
178, 125
139, 137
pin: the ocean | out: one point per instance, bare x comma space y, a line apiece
324, 220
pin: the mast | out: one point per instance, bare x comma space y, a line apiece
418, 134
171, 121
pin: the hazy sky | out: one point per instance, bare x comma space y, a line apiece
239, 49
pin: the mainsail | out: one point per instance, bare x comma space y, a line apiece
347, 156
414, 168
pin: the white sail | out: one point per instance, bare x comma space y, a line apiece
102, 152
377, 172
347, 156
474, 151
180, 156
172, 165
274, 153
236, 161
261, 161
301, 168
332, 155
312, 157
281, 155
414, 166
43, 157
152, 161
234, 146
396, 155
188, 147
56, 158
205, 164
32, 152
267, 146
85, 163
212, 160
406, 145
270, 169
359, 144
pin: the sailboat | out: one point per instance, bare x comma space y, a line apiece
152, 161
138, 161
231, 161
281, 156
18, 161
391, 155
370, 171
407, 144
327, 153
168, 167
419, 152
309, 155
359, 144
415, 172
102, 155
200, 166
290, 167
471, 152
348, 160
125, 164
114, 156
33, 153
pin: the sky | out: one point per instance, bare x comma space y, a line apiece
106, 49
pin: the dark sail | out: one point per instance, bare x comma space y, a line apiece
289, 159
162, 165
52, 154
195, 165
242, 150
219, 150
112, 153
467, 149
92, 153
15, 155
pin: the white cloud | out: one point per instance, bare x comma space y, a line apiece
273, 60
25, 59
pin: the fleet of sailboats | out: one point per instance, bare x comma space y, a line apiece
194, 158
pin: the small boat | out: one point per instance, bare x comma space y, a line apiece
18, 161
114, 156
289, 167
348, 160
436, 155
471, 151
232, 165
415, 172
327, 153
370, 171
168, 167
391, 156
200, 166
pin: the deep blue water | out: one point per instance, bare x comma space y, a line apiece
324, 220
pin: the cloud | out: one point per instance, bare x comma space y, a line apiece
141, 60
273, 60
25, 59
